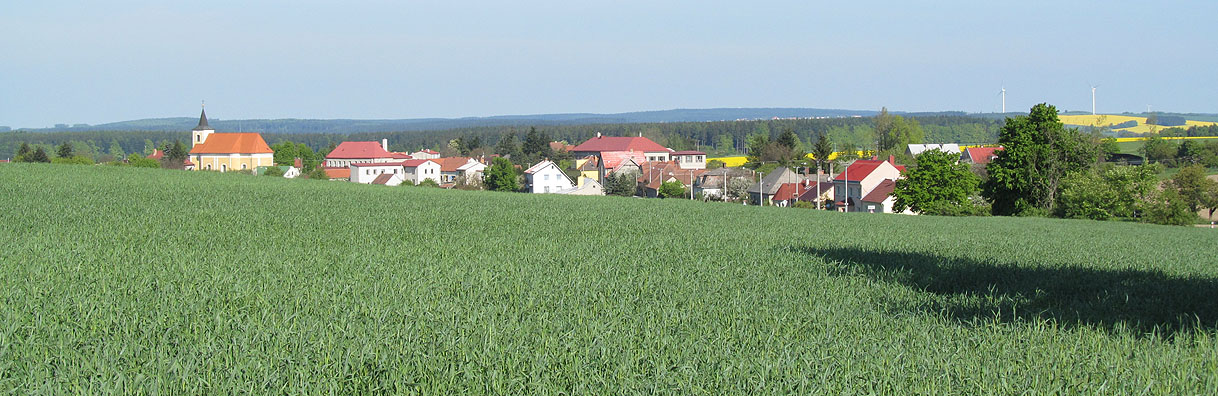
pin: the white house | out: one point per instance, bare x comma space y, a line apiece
367, 172
859, 180
418, 170
425, 154
690, 159
546, 177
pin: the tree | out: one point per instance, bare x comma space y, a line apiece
1209, 200
116, 149
894, 132
175, 156
1039, 152
39, 155
672, 189
725, 144
1168, 208
1156, 149
938, 185
1109, 146
22, 152
789, 139
139, 161
738, 188
537, 144
508, 146
64, 150
1190, 182
501, 176
821, 151
285, 153
621, 184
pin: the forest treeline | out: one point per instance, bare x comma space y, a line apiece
716, 138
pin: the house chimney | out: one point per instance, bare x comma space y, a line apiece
892, 159
298, 163
385, 144
598, 135
640, 133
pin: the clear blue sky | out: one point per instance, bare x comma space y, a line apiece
96, 62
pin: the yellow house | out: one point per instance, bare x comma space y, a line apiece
227, 151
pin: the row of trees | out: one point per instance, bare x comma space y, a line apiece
1178, 153
1047, 169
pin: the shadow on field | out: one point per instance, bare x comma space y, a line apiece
972, 291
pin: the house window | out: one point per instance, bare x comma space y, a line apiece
242, 166
547, 188
545, 177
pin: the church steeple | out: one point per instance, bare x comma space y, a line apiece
199, 134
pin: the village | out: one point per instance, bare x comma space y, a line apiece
862, 185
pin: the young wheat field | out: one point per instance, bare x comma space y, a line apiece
147, 281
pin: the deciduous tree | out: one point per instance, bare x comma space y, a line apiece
501, 176
1039, 152
938, 185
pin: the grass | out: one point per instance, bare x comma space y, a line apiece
120, 280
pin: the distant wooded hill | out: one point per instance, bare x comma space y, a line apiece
348, 126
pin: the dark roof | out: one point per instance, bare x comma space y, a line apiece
202, 121
881, 192
383, 179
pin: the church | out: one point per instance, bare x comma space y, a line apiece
227, 151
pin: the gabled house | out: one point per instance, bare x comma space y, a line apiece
915, 149
655, 174
425, 154
762, 193
690, 159
979, 155
347, 153
614, 150
859, 179
367, 172
227, 151
453, 168
589, 167
587, 187
547, 177
880, 199
788, 193
818, 193
418, 170
712, 183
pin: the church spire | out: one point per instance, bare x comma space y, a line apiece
202, 120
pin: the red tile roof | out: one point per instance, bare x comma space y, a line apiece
232, 143
450, 164
400, 155
789, 191
615, 143
560, 146
429, 151
415, 162
881, 192
860, 169
981, 155
338, 173
359, 150
362, 164
156, 154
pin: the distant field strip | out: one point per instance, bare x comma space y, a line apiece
1113, 119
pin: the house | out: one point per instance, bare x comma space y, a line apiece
418, 170
367, 172
979, 155
690, 159
347, 153
547, 177
763, 192
227, 151
788, 193
818, 193
453, 168
157, 154
587, 187
560, 147
654, 174
614, 150
425, 154
289, 172
711, 184
859, 179
915, 149
880, 199
589, 167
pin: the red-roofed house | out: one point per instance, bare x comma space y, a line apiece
616, 149
226, 151
347, 153
367, 172
418, 170
655, 174
859, 180
425, 154
880, 200
453, 168
979, 155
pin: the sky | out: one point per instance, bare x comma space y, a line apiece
104, 61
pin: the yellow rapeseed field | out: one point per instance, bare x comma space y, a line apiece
1113, 119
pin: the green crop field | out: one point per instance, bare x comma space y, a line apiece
145, 281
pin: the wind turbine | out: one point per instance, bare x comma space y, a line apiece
1004, 99
1093, 87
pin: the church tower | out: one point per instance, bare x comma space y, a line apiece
200, 133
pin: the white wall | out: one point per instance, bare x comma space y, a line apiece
548, 180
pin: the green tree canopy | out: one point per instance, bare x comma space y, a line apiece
621, 184
672, 189
1039, 152
938, 185
64, 150
501, 176
1191, 183
39, 155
